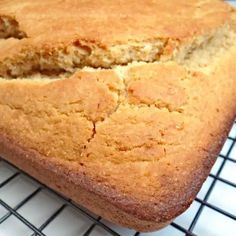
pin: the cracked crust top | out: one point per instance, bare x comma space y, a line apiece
139, 150
142, 136
63, 35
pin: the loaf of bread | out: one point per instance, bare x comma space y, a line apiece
120, 105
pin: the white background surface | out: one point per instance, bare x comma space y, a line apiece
71, 222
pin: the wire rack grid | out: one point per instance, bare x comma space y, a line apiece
27, 207
30, 208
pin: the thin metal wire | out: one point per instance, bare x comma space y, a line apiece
227, 158
225, 213
21, 218
68, 202
50, 219
9, 179
232, 139
182, 229
223, 180
89, 230
204, 202
19, 205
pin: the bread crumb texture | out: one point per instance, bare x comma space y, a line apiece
121, 91
66, 35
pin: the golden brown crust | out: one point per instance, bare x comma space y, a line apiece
138, 140
102, 34
110, 22
152, 144
61, 178
64, 179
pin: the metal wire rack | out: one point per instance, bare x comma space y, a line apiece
18, 210
28, 207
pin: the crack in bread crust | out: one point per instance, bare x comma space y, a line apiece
194, 55
9, 27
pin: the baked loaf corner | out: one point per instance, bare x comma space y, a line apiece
120, 108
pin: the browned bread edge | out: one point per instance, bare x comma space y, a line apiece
83, 190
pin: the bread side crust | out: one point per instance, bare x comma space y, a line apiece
59, 177
55, 175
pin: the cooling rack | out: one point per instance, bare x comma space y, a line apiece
30, 208
27, 207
